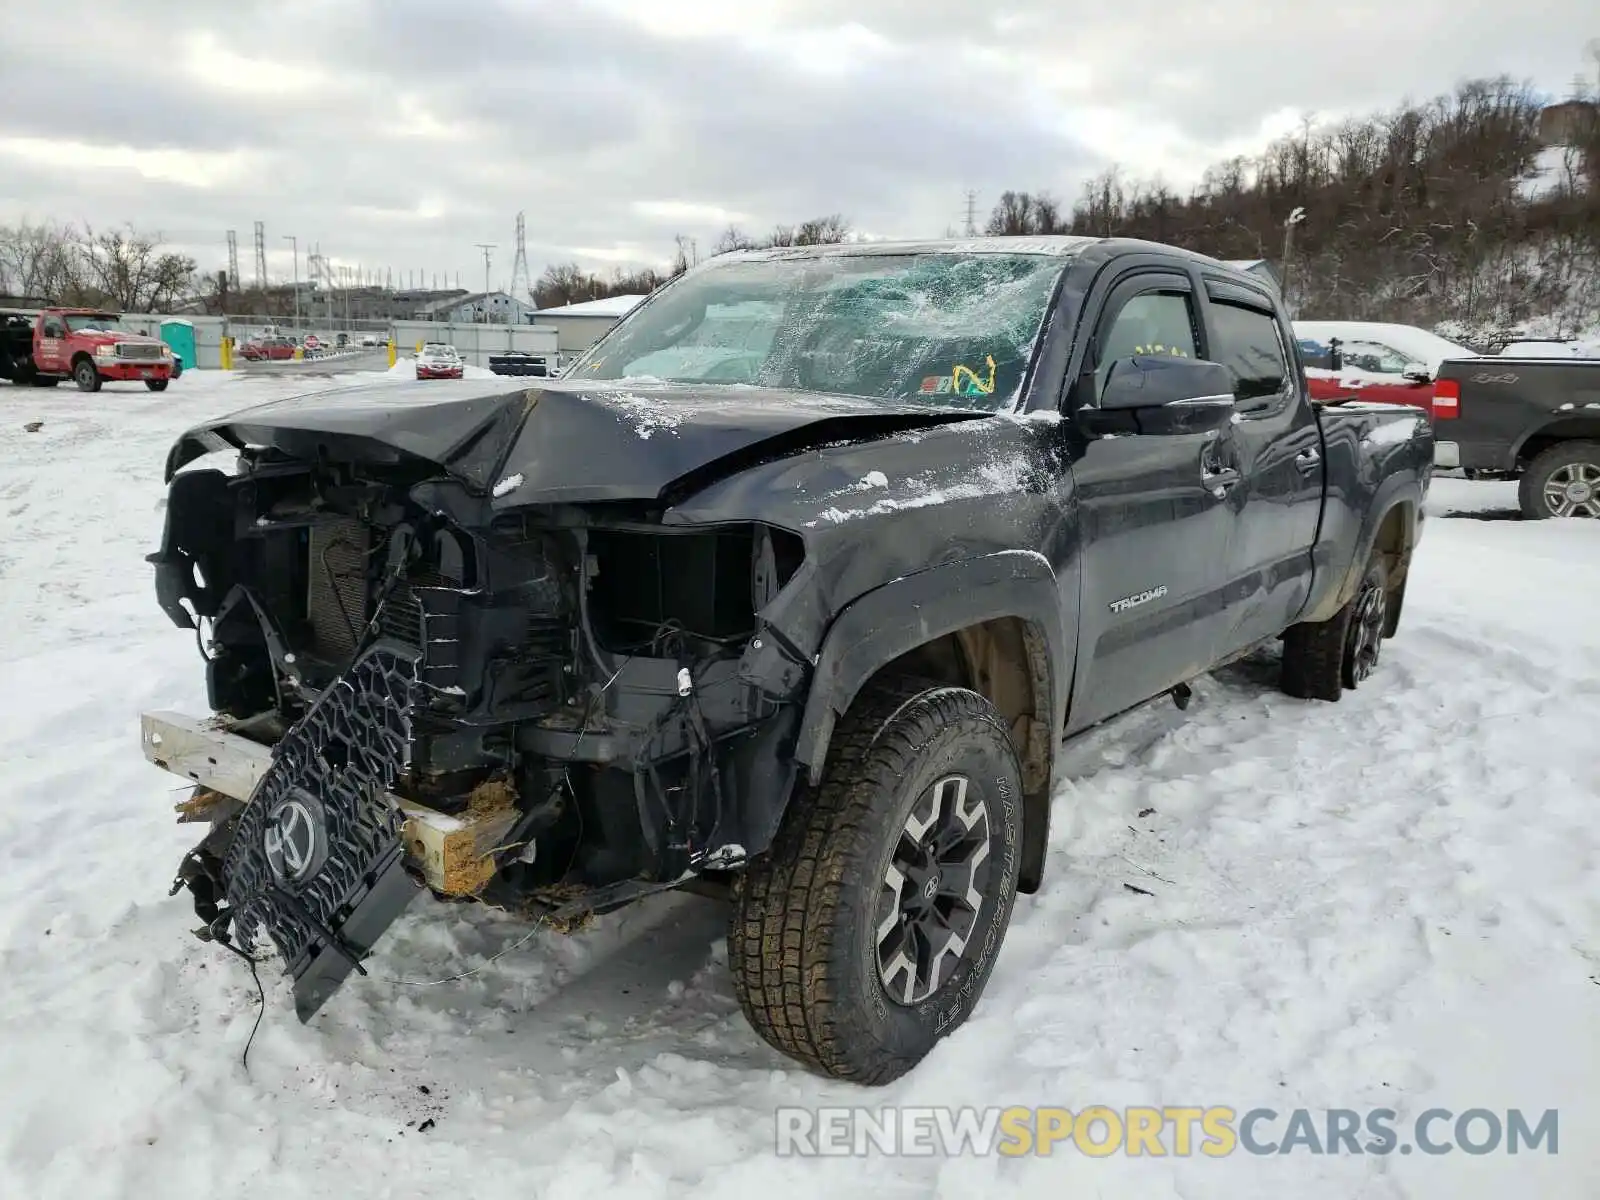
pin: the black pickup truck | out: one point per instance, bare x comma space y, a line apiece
1536, 420
789, 591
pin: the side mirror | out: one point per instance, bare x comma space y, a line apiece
1160, 394
1417, 373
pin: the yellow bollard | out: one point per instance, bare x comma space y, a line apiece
299, 354
393, 355
227, 354
419, 345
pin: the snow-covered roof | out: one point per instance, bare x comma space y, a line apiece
1423, 347
450, 303
610, 306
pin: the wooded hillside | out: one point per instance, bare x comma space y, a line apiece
1454, 212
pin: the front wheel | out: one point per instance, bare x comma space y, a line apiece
156, 385
86, 376
1563, 481
869, 929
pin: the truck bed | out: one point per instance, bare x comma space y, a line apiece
1506, 407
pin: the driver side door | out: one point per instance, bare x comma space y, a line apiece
1153, 516
52, 337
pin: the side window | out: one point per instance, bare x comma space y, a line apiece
1375, 357
1249, 344
1148, 324
54, 329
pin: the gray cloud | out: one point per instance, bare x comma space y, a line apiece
399, 132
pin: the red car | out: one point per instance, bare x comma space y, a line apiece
1375, 361
258, 348
439, 361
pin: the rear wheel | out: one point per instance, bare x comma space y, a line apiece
86, 376
868, 931
1563, 481
1323, 658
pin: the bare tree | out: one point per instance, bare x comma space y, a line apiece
128, 270
1019, 214
39, 261
733, 238
822, 231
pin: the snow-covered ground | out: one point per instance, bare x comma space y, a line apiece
1390, 902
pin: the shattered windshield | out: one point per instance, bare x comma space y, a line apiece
948, 329
94, 323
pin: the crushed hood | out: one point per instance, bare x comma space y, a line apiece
561, 442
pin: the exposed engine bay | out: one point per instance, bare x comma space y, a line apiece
530, 707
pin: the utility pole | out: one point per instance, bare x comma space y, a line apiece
261, 258
519, 268
972, 214
1294, 218
295, 242
233, 257
485, 247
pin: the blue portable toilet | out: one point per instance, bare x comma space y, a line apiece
180, 336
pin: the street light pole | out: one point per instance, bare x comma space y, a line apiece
1297, 216
295, 242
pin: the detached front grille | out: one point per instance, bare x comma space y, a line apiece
337, 588
139, 350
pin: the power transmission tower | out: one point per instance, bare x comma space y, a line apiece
519, 269
233, 259
972, 214
485, 247
261, 257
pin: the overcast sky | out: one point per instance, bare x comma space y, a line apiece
397, 133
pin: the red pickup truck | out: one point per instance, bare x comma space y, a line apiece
89, 346
1378, 362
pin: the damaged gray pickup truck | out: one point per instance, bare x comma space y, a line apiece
789, 591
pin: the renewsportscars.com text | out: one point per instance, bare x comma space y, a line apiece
1099, 1131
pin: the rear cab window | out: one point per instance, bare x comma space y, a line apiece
1248, 341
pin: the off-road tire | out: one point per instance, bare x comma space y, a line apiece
86, 375
1319, 657
803, 944
1561, 456
156, 385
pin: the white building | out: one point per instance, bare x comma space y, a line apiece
581, 325
480, 308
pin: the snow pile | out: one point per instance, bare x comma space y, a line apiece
1556, 169
1389, 902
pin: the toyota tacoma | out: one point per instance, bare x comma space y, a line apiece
789, 591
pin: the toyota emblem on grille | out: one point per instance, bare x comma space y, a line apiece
293, 840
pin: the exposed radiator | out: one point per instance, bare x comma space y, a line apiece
336, 594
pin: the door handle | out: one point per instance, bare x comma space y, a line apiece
1308, 458
1219, 480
